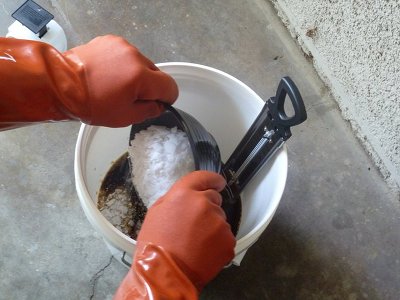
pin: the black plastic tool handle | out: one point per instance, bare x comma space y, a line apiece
272, 126
276, 105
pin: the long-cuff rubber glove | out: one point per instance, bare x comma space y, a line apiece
106, 82
183, 244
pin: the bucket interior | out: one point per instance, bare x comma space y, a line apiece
226, 108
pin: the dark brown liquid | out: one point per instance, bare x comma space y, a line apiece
119, 177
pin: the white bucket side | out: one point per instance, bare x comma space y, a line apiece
113, 236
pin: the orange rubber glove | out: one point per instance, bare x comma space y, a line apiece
183, 244
106, 82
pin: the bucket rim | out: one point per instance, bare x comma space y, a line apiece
124, 242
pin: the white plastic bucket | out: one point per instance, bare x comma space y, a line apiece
226, 107
54, 36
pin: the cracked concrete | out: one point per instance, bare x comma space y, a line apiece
96, 277
335, 234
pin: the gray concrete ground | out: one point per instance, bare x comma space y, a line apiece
336, 232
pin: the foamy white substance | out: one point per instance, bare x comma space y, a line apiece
159, 156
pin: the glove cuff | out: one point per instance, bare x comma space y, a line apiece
155, 275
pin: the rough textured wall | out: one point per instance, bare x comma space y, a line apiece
355, 47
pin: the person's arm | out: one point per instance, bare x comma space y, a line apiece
106, 82
184, 242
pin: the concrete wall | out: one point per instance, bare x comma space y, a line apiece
355, 48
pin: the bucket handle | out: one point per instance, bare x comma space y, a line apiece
124, 261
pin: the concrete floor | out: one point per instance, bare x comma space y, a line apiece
336, 232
